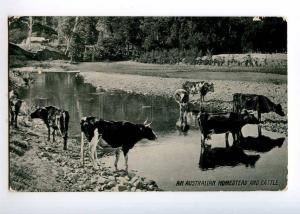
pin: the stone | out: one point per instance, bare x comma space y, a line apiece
121, 188
122, 180
134, 179
112, 178
133, 189
111, 184
101, 180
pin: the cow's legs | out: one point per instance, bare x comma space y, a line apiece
117, 158
94, 152
81, 149
259, 124
226, 139
16, 120
53, 135
65, 140
125, 152
93, 146
48, 127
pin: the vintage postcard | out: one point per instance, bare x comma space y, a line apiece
147, 103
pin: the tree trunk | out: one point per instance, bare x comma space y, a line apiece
71, 37
28, 42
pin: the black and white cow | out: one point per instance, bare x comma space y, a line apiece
255, 102
57, 119
218, 123
117, 134
14, 108
202, 88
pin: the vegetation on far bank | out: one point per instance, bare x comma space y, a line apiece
161, 40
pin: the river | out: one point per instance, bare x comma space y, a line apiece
174, 160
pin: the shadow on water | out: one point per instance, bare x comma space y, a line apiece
261, 143
211, 158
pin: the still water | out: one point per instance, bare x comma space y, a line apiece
174, 160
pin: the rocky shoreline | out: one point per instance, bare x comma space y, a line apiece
42, 166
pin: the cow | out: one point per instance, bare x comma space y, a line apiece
188, 85
224, 123
14, 108
202, 88
122, 135
211, 158
182, 98
255, 102
57, 119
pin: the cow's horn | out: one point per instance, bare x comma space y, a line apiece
147, 125
146, 121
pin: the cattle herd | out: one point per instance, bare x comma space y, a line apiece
123, 135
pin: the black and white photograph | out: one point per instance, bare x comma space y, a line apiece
140, 104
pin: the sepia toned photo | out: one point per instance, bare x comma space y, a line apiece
139, 104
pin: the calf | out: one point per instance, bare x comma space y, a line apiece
14, 108
57, 119
117, 134
255, 102
224, 123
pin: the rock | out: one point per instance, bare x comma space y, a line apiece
121, 188
94, 180
112, 178
122, 180
111, 184
131, 174
134, 179
101, 180
138, 184
133, 189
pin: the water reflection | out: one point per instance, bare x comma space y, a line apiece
261, 143
68, 91
211, 158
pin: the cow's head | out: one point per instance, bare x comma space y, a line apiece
147, 131
249, 118
278, 110
88, 126
41, 113
210, 87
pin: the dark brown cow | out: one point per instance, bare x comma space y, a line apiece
224, 123
255, 102
14, 108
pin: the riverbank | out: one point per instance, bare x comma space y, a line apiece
273, 86
220, 100
36, 165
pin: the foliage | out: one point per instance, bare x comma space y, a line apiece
161, 39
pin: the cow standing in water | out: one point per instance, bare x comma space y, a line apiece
224, 123
54, 118
255, 102
182, 98
117, 134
